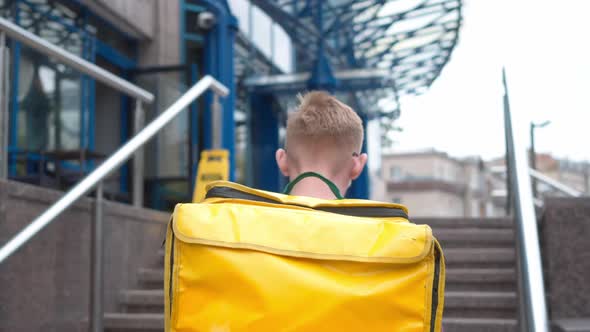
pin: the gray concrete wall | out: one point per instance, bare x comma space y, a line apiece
135, 17
156, 23
45, 285
565, 240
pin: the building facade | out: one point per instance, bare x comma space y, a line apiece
431, 183
62, 123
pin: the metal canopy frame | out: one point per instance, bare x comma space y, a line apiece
404, 44
412, 38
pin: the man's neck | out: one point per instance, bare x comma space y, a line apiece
314, 187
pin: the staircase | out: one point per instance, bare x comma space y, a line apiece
480, 289
141, 309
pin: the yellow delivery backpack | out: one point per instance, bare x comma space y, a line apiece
250, 260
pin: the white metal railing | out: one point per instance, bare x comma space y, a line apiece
565, 189
112, 163
96, 177
533, 306
11, 30
540, 177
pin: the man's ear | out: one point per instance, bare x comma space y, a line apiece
358, 165
282, 163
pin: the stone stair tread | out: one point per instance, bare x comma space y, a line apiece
478, 299
482, 294
449, 236
479, 255
155, 321
458, 223
572, 325
143, 297
480, 275
134, 321
151, 275
479, 324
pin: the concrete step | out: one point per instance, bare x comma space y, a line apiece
481, 279
480, 257
477, 304
151, 278
115, 322
571, 325
479, 325
142, 300
155, 322
458, 223
474, 237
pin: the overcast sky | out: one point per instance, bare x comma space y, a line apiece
545, 46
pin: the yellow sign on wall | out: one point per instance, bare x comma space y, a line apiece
213, 166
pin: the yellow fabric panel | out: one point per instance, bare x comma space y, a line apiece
303, 233
220, 289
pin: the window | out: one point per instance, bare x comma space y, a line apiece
397, 200
395, 173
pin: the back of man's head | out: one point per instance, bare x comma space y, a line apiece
324, 135
322, 117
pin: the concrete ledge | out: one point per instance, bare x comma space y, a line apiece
564, 235
49, 277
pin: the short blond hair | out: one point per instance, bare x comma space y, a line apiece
319, 117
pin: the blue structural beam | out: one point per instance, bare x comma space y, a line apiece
264, 135
349, 81
219, 63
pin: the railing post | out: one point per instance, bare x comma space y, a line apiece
4, 116
96, 265
138, 165
217, 122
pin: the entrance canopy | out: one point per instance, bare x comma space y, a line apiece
407, 42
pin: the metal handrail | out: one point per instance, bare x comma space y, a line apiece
30, 39
112, 163
559, 186
567, 190
531, 285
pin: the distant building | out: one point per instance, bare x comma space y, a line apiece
431, 183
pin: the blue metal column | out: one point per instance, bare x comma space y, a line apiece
264, 135
14, 104
360, 186
219, 62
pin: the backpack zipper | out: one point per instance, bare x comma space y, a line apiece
354, 211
